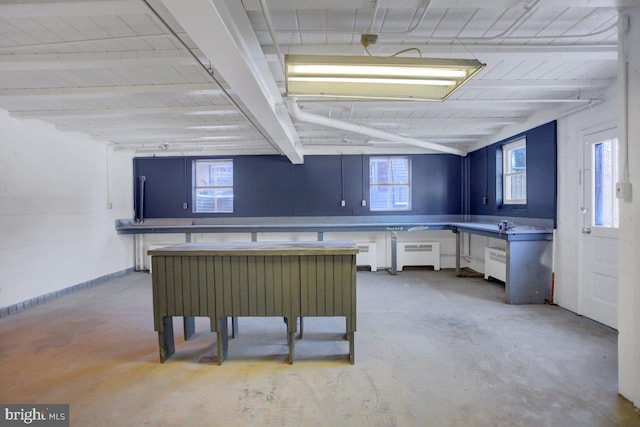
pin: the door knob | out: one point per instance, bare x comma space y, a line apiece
586, 230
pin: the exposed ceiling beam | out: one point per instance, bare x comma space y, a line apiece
76, 42
61, 9
244, 144
214, 110
565, 84
152, 127
392, 149
254, 5
111, 91
414, 133
176, 136
456, 106
96, 60
484, 53
223, 33
427, 122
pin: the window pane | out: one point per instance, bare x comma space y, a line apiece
517, 187
379, 171
399, 171
514, 172
224, 200
223, 173
399, 197
203, 175
213, 186
213, 200
519, 159
389, 184
605, 176
379, 198
205, 200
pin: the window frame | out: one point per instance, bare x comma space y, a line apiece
196, 187
408, 184
508, 173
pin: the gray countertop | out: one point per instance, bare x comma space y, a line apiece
258, 248
524, 229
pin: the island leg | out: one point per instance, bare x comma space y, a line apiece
222, 339
458, 251
352, 347
166, 344
189, 327
291, 341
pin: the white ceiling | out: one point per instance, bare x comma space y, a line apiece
205, 76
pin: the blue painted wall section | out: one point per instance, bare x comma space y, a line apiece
485, 178
272, 186
442, 184
164, 187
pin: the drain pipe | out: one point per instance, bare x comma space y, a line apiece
302, 116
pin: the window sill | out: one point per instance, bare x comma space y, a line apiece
513, 207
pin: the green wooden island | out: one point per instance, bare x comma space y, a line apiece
235, 279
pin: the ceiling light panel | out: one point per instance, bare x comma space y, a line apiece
375, 77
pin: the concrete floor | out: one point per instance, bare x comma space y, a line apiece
431, 350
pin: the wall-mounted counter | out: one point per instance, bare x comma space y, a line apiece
529, 258
528, 247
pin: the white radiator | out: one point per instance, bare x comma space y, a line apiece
495, 264
418, 254
368, 255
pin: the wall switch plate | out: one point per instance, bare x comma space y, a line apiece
185, 205
364, 203
623, 190
343, 203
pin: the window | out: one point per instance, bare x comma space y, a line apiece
514, 173
213, 185
605, 176
389, 184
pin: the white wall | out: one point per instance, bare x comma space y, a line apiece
56, 228
628, 280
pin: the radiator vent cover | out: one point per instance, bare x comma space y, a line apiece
418, 254
368, 255
495, 264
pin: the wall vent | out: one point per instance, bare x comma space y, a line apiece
495, 264
418, 254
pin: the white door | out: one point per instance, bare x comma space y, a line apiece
599, 285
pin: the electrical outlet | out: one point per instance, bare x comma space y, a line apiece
343, 203
364, 203
185, 205
485, 200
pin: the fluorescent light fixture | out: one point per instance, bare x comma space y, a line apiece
377, 77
